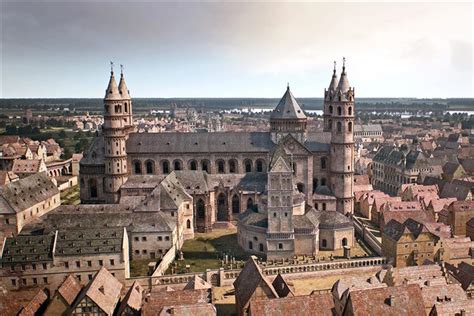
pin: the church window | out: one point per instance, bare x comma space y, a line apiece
286, 214
137, 167
205, 165
165, 165
344, 242
235, 204
339, 127
339, 110
323, 162
250, 245
323, 181
280, 246
260, 246
300, 187
259, 166
201, 209
330, 124
220, 166
324, 243
330, 109
233, 166
324, 206
315, 184
93, 188
177, 165
248, 166
193, 165
249, 203
274, 214
349, 110
150, 167
349, 127
188, 224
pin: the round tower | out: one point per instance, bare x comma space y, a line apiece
341, 125
328, 98
118, 123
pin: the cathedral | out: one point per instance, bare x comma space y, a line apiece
287, 184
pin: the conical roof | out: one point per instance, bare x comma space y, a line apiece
288, 108
332, 85
112, 92
123, 90
343, 85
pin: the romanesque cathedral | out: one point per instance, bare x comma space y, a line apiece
288, 190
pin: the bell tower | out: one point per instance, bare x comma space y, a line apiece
328, 98
341, 125
118, 122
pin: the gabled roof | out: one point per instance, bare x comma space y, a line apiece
304, 305
69, 289
280, 159
104, 290
33, 307
133, 298
249, 279
288, 108
395, 230
197, 283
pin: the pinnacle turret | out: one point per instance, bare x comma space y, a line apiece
112, 92
123, 90
343, 85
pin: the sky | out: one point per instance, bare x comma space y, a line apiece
224, 49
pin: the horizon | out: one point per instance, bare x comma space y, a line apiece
230, 50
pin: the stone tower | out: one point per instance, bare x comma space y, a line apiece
341, 125
328, 99
118, 123
280, 232
288, 118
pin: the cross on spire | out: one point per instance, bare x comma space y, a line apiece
111, 67
121, 69
334, 66
343, 62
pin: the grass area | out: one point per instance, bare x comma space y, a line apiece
206, 250
71, 196
139, 267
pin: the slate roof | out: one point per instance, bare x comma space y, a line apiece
218, 142
464, 273
26, 166
27, 249
455, 190
395, 230
282, 287
303, 305
94, 155
287, 108
332, 220
89, 241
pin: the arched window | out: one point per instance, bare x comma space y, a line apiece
330, 124
193, 165
165, 166
235, 204
339, 110
323, 181
300, 187
349, 110
250, 244
324, 206
315, 184
177, 165
188, 224
92, 188
330, 109
137, 167
260, 247
232, 166
150, 166
205, 165
324, 243
248, 165
220, 166
323, 162
339, 127
344, 242
250, 204
349, 127
259, 165
200, 209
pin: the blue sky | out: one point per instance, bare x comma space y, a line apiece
63, 48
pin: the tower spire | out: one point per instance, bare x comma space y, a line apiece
123, 90
112, 91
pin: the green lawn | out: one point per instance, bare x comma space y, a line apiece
206, 250
139, 267
71, 196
